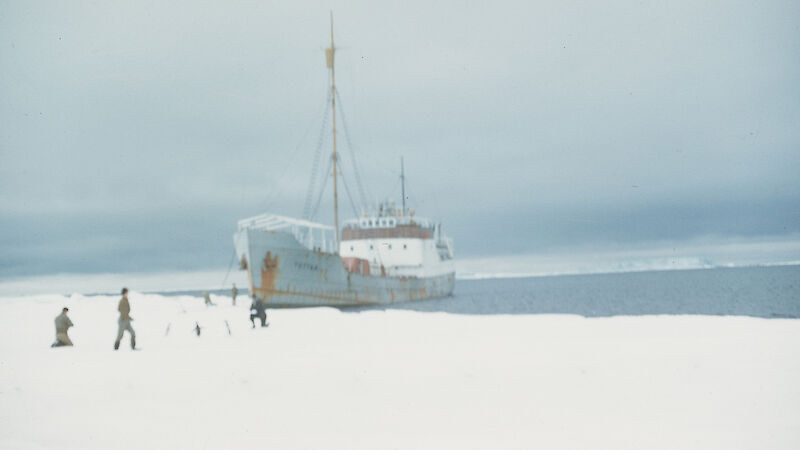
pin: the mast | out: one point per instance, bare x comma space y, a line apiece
403, 184
329, 55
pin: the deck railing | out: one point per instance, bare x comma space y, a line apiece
311, 235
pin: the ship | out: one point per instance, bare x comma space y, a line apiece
387, 254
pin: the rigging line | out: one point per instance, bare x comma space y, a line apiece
270, 198
278, 191
321, 191
315, 161
323, 186
350, 197
233, 257
350, 147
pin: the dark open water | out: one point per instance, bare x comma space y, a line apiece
769, 292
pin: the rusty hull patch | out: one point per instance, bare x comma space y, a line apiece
321, 296
269, 275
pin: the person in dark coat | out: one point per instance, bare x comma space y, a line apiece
258, 309
62, 325
125, 320
234, 292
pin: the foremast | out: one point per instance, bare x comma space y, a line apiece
329, 59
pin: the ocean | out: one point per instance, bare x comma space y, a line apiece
768, 292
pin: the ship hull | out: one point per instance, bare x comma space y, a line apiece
284, 273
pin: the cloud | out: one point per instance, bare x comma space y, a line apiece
600, 122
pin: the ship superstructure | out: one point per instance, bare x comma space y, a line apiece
384, 256
395, 243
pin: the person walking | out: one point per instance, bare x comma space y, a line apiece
208, 299
62, 325
125, 320
234, 292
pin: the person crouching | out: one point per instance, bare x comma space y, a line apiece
257, 310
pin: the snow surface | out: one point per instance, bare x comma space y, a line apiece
321, 378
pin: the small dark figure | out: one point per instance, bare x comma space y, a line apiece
125, 320
257, 309
197, 328
62, 325
234, 292
208, 299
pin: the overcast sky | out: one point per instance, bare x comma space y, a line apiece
133, 135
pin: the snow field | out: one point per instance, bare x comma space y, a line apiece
321, 378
